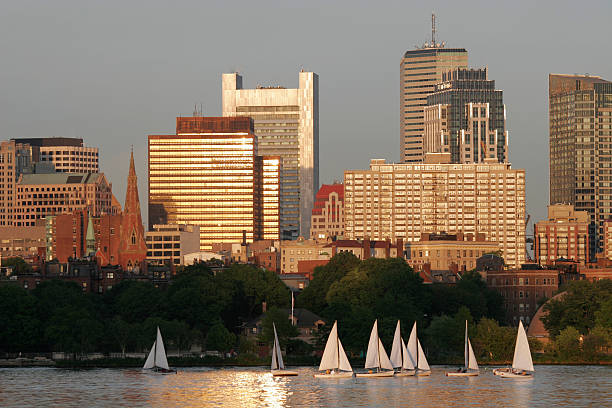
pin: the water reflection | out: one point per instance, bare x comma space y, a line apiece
255, 387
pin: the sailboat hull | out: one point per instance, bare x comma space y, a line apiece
158, 371
376, 375
423, 373
334, 375
514, 374
460, 374
405, 373
284, 373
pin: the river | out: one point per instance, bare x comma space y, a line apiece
576, 386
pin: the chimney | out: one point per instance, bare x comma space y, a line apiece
264, 307
387, 248
399, 243
244, 237
366, 248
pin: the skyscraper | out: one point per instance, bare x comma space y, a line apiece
420, 71
466, 116
580, 113
287, 126
209, 175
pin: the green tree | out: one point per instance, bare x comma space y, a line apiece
220, 339
493, 342
134, 301
568, 342
73, 330
603, 316
313, 297
284, 328
122, 332
19, 323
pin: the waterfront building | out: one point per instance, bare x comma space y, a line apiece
420, 70
523, 290
208, 174
443, 252
292, 252
327, 220
564, 234
168, 244
286, 123
580, 116
391, 201
64, 154
466, 116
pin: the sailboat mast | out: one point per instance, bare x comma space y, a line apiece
465, 351
338, 347
377, 345
155, 353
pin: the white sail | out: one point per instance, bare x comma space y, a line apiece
343, 363
422, 361
472, 363
277, 355
372, 360
407, 362
160, 352
150, 363
522, 354
412, 346
330, 359
396, 349
383, 358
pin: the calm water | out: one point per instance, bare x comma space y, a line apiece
255, 387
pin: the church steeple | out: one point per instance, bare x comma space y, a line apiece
132, 248
132, 201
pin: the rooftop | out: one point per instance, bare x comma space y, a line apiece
60, 178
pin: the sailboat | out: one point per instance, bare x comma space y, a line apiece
278, 367
400, 358
522, 365
377, 358
416, 352
156, 360
334, 363
470, 367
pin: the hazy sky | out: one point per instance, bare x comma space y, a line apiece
113, 72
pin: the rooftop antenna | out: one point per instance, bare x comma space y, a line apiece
433, 29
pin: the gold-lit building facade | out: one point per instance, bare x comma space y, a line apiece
209, 175
391, 201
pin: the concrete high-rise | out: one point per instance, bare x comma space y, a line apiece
580, 114
65, 154
420, 71
286, 125
466, 117
391, 201
208, 174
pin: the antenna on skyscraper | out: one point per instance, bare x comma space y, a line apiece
433, 29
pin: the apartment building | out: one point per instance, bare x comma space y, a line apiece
327, 220
168, 244
390, 201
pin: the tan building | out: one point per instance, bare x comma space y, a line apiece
168, 244
287, 126
420, 71
580, 114
565, 234
327, 219
40, 195
391, 201
64, 154
523, 290
25, 242
209, 175
607, 248
442, 251
291, 252
14, 158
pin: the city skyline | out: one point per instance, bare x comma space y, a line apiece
113, 87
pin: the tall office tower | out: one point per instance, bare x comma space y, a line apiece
391, 201
581, 146
14, 158
65, 154
209, 175
466, 116
286, 125
420, 71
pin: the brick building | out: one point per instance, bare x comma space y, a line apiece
327, 219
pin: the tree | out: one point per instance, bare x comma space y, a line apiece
134, 301
493, 342
122, 332
73, 330
19, 323
219, 338
313, 297
284, 329
568, 342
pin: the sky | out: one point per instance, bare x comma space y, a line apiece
112, 72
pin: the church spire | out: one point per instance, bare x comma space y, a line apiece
132, 202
